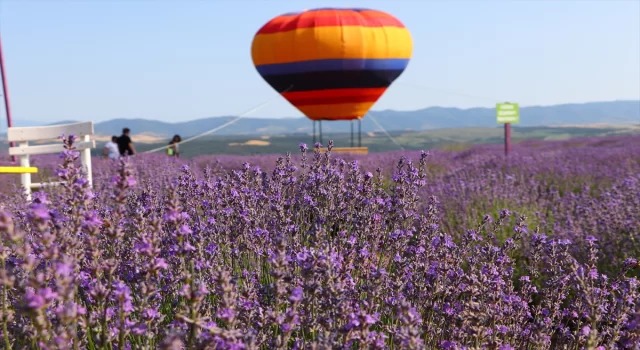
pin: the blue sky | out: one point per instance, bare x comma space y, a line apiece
177, 60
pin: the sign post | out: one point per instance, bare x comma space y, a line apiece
507, 113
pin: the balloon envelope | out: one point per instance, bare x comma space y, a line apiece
332, 64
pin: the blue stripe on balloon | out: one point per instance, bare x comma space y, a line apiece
332, 65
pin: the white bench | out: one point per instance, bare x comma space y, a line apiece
22, 136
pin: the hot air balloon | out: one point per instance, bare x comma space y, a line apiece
332, 64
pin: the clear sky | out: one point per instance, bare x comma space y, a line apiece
176, 60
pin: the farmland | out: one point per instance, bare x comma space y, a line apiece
404, 250
454, 138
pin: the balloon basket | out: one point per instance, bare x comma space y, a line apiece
347, 150
356, 147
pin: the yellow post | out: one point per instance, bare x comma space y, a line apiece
18, 170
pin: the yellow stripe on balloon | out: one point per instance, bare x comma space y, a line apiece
325, 43
336, 111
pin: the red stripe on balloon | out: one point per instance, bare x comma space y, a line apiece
345, 117
288, 23
329, 93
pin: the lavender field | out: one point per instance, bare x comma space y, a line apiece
439, 250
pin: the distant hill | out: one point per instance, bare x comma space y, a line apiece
19, 122
613, 112
419, 120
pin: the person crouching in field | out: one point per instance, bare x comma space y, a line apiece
173, 149
110, 150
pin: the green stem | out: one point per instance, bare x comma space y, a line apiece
5, 330
121, 333
103, 330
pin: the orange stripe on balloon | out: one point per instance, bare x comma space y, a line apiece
333, 100
311, 44
339, 111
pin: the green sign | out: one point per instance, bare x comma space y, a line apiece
507, 113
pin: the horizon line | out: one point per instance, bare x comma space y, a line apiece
302, 117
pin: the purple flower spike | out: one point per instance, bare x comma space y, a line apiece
296, 294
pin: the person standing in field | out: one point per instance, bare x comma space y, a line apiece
125, 146
173, 149
111, 150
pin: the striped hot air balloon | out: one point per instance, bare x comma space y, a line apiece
332, 64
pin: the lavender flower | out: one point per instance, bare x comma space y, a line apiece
413, 250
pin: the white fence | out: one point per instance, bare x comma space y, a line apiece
22, 136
